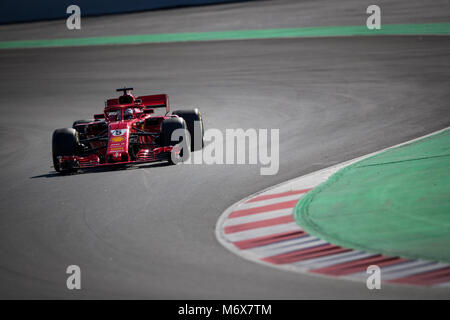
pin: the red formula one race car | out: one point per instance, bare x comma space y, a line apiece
128, 132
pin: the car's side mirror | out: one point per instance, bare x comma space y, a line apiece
149, 111
138, 114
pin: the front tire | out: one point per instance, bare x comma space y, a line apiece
168, 126
64, 143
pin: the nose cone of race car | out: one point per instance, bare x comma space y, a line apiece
118, 142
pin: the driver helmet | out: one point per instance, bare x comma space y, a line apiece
128, 114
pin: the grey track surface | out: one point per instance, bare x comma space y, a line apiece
149, 232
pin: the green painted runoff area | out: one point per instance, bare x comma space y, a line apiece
396, 203
441, 28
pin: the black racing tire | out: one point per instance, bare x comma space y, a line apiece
191, 116
64, 143
168, 126
75, 123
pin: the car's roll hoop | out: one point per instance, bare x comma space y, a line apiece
126, 97
124, 90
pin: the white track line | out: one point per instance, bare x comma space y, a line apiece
262, 203
258, 217
260, 232
287, 246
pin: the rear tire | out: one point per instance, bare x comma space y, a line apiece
197, 133
168, 126
64, 143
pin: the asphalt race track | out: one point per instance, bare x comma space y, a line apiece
149, 232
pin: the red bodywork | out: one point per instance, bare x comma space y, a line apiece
113, 139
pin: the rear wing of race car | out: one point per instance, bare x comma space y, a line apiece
155, 101
150, 101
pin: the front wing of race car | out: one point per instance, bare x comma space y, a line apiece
143, 156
